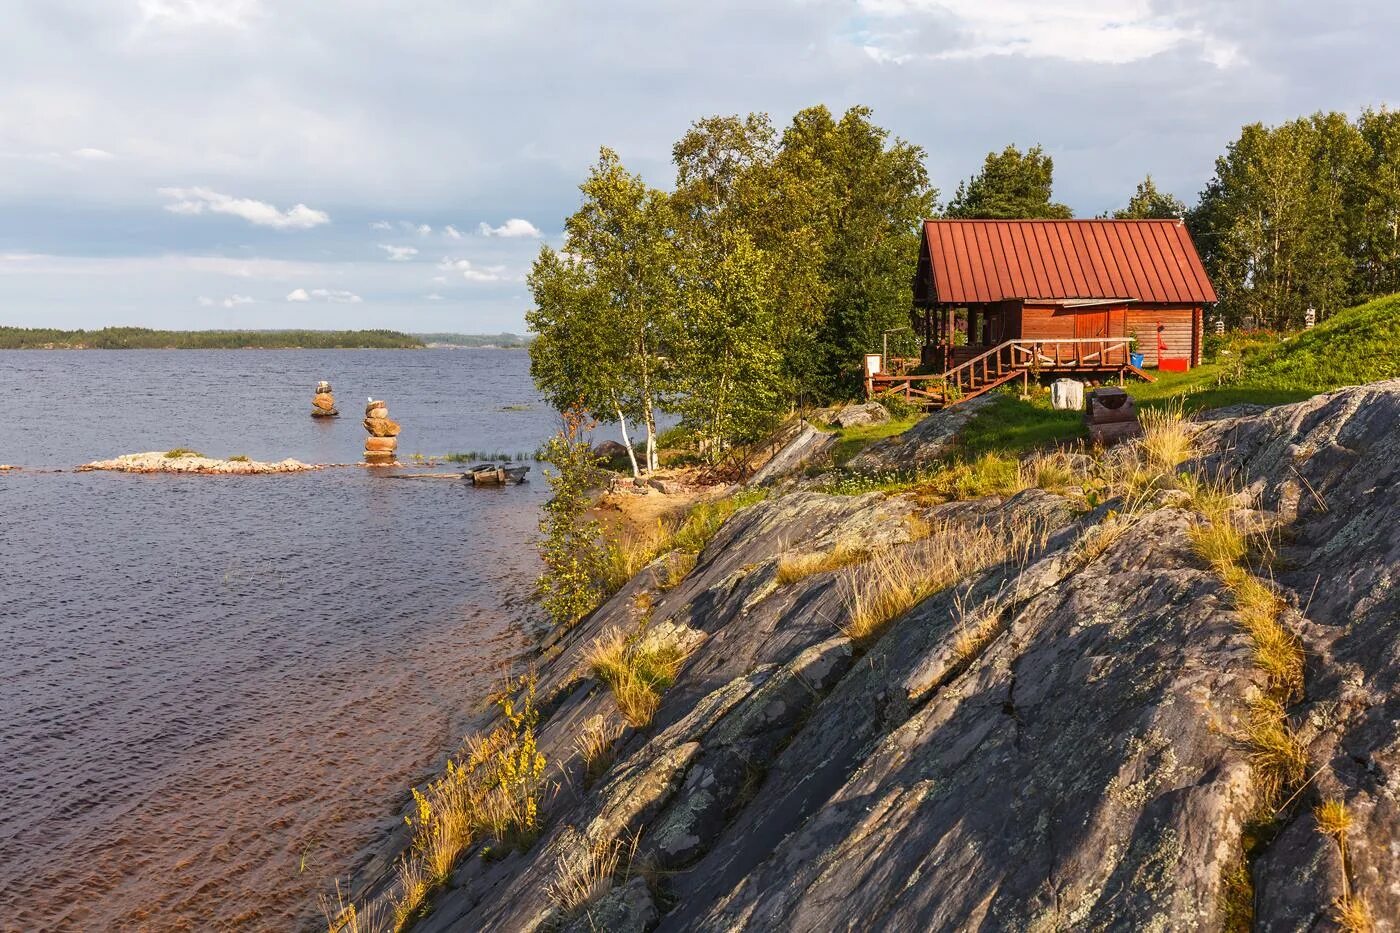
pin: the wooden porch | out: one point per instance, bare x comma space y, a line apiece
1008, 360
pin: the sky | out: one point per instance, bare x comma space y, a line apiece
342, 164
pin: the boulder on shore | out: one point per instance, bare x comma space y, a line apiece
868, 413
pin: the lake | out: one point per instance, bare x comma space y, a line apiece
215, 691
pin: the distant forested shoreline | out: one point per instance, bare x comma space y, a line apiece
142, 338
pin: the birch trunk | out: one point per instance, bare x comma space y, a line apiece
627, 441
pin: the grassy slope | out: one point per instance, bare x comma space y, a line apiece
1355, 346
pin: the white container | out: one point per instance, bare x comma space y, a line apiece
1067, 395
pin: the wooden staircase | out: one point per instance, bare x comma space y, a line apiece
1012, 359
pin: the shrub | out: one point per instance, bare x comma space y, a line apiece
236, 458
897, 405
181, 452
574, 559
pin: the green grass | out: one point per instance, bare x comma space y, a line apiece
1352, 347
704, 519
851, 441
1011, 424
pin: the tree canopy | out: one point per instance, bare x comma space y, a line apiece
1149, 203
778, 259
1011, 185
1303, 215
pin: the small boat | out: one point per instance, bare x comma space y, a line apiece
496, 474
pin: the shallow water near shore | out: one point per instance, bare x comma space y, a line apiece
214, 691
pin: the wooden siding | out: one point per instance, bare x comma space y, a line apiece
1178, 332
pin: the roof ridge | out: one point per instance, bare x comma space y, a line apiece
1054, 220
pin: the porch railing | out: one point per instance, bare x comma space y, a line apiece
1004, 362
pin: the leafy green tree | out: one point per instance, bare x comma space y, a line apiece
1011, 185
570, 546
730, 366
1377, 235
729, 180
1149, 203
868, 195
605, 308
1274, 224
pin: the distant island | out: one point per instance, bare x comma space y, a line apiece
143, 338
477, 341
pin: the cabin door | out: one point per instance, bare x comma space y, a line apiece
1098, 325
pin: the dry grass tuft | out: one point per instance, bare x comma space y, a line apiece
1166, 438
976, 625
1332, 818
1211, 498
918, 527
636, 669
896, 580
631, 550
583, 873
596, 745
1278, 759
794, 567
1053, 471
1099, 538
677, 567
1219, 544
345, 917
413, 890
1353, 914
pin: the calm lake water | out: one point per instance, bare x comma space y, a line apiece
214, 691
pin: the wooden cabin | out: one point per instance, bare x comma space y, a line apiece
997, 299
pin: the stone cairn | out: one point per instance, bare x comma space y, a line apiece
323, 403
383, 437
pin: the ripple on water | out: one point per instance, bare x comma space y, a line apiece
214, 691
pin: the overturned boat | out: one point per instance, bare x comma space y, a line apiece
496, 474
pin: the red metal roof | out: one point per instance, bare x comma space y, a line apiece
976, 261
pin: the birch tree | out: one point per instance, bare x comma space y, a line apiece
605, 308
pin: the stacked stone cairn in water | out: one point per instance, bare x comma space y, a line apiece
323, 403
383, 437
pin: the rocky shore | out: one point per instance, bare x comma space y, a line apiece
173, 462
1068, 736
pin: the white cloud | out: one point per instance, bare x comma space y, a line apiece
434, 297
1100, 31
474, 273
336, 296
399, 253
232, 301
424, 230
94, 155
451, 232
515, 227
440, 280
201, 200
381, 225
186, 14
